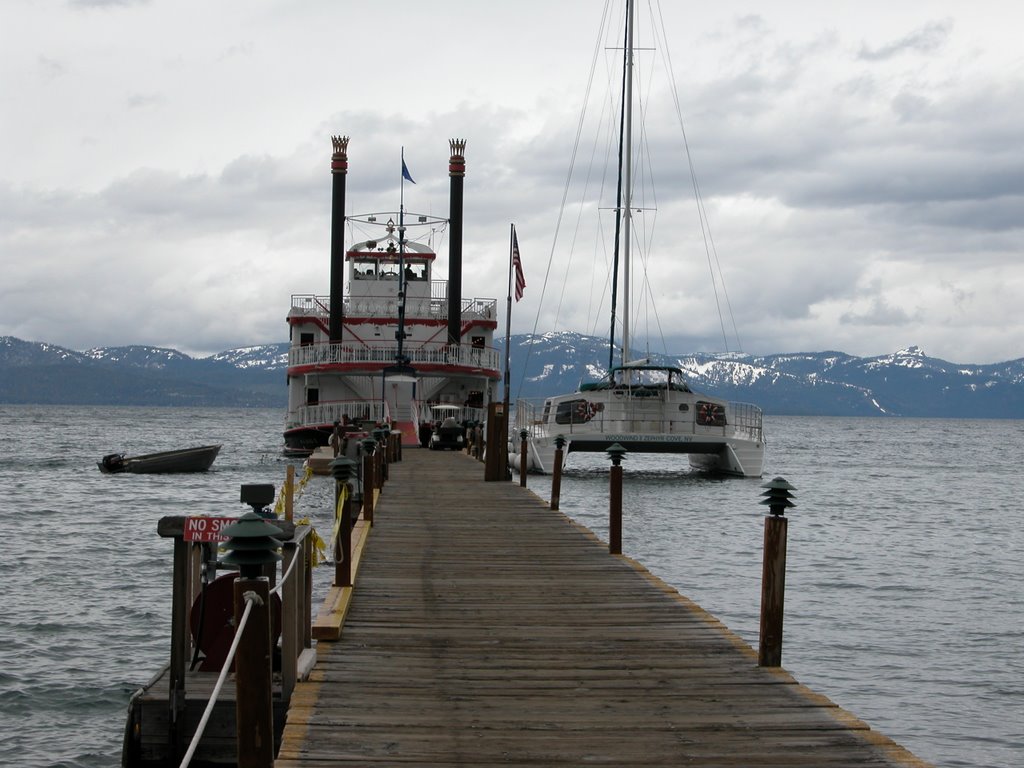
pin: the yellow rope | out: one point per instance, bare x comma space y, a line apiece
337, 512
319, 545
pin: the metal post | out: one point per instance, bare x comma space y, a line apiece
773, 573
616, 453
556, 473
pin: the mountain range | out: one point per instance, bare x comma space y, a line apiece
905, 383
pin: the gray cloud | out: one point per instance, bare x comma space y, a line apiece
926, 39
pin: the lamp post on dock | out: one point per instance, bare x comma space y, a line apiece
773, 574
524, 448
343, 469
369, 482
252, 547
616, 453
556, 472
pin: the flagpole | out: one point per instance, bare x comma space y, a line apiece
508, 317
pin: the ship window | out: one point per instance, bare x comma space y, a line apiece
415, 270
364, 270
312, 396
575, 412
305, 339
710, 414
479, 342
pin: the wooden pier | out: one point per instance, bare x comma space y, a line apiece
486, 629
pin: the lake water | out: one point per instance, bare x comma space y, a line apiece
903, 586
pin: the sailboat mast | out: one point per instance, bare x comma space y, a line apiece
627, 180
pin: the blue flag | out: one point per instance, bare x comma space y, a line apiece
405, 172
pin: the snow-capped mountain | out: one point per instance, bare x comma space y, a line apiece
904, 383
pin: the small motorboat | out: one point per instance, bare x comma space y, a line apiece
186, 460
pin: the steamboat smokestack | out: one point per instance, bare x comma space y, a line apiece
339, 172
457, 172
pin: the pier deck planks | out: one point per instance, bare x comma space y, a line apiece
486, 629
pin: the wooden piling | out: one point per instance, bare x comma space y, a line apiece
556, 476
253, 677
615, 509
524, 458
368, 485
773, 592
343, 544
289, 493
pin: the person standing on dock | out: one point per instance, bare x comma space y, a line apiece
336, 439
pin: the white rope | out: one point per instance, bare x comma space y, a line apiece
284, 577
220, 680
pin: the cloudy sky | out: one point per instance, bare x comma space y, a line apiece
164, 165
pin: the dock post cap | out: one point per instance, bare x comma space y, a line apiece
251, 544
616, 453
778, 496
523, 434
342, 468
560, 441
368, 444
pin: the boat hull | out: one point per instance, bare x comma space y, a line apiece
198, 459
725, 455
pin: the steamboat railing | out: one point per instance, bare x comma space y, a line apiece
433, 308
436, 353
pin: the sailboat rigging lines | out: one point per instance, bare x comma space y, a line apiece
641, 405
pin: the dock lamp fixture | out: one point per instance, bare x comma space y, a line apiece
616, 453
778, 497
342, 469
251, 544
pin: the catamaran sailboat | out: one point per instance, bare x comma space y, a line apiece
644, 407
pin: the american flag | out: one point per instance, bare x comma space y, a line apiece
518, 264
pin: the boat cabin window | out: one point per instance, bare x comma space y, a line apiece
364, 270
710, 414
415, 270
312, 396
576, 411
306, 339
389, 271
475, 399
478, 342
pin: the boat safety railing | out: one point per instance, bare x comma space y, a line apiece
328, 412
435, 353
464, 414
747, 420
434, 307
